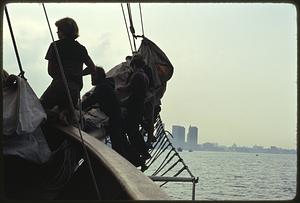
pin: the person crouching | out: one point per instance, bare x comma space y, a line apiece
108, 102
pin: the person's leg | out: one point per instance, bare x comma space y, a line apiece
118, 141
52, 96
75, 94
137, 140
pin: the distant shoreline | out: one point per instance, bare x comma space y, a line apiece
215, 147
294, 152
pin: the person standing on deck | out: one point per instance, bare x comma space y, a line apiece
72, 55
135, 105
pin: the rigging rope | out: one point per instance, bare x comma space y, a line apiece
14, 44
72, 105
131, 25
127, 28
141, 19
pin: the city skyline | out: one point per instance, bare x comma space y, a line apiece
180, 139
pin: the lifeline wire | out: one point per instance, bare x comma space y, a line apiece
72, 105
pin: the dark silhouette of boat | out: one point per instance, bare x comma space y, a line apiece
117, 179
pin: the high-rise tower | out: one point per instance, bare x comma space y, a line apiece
178, 133
192, 136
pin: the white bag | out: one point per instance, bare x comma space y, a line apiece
22, 110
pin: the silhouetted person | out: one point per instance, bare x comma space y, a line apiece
135, 104
108, 102
72, 55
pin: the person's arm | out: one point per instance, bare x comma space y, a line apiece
90, 65
52, 64
52, 68
92, 69
86, 71
90, 100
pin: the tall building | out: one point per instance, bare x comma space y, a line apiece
192, 136
178, 133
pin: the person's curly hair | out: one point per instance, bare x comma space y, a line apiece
100, 73
68, 27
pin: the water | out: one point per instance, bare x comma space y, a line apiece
237, 176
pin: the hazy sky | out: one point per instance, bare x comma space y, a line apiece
235, 65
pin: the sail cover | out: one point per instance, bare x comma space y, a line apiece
22, 116
22, 110
156, 60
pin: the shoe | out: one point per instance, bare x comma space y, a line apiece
144, 167
149, 145
145, 156
151, 139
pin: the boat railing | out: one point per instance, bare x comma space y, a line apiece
133, 182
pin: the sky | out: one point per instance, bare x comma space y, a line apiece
235, 64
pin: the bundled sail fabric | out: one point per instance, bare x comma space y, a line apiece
162, 70
156, 60
94, 120
22, 110
120, 74
22, 116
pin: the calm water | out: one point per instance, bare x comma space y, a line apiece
237, 176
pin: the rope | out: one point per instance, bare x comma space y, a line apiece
164, 163
161, 151
131, 25
65, 170
14, 44
72, 105
141, 16
159, 138
127, 28
161, 145
172, 166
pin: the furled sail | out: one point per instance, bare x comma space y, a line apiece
22, 116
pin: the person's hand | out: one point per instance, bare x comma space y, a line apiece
94, 79
86, 71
